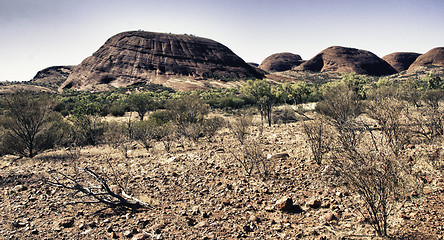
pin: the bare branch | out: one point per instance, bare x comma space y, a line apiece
98, 190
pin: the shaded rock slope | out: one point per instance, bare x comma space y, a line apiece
52, 77
401, 61
347, 60
279, 62
433, 57
141, 57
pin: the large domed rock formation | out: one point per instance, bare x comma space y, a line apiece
401, 61
432, 57
52, 77
347, 60
142, 57
279, 62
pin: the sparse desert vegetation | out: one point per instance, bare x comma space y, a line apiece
367, 161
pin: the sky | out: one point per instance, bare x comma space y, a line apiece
35, 34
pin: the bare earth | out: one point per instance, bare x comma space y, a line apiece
199, 192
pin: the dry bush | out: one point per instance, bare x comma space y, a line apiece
167, 134
340, 104
241, 127
212, 125
253, 160
429, 116
376, 177
319, 137
87, 130
118, 136
391, 116
370, 167
189, 115
436, 157
187, 110
146, 132
250, 153
192, 131
369, 160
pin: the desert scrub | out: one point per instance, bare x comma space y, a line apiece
319, 137
369, 157
29, 123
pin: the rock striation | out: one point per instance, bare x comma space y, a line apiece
433, 57
347, 60
142, 57
401, 61
279, 62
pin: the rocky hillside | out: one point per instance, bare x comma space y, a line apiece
279, 62
401, 61
432, 57
138, 57
52, 77
347, 60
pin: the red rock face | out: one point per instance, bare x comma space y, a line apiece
280, 62
348, 60
401, 61
133, 57
432, 57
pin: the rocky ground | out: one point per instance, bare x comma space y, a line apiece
199, 192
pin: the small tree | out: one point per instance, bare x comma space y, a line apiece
28, 121
261, 92
140, 103
188, 113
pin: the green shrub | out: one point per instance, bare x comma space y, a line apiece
117, 110
160, 117
146, 132
87, 130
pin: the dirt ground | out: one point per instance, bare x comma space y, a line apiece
198, 191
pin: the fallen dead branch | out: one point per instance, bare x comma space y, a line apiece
90, 184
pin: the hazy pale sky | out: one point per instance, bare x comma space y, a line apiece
35, 34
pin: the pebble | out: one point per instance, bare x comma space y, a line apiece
253, 218
201, 224
330, 217
19, 188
